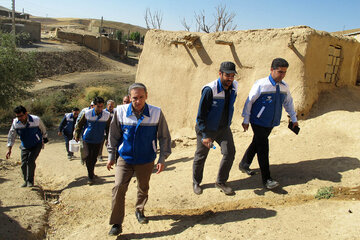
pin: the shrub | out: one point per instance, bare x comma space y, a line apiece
100, 91
325, 193
17, 71
23, 39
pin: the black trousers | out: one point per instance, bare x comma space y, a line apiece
225, 139
259, 146
90, 153
67, 139
28, 157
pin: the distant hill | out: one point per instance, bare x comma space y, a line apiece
84, 24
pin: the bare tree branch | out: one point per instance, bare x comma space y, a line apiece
185, 25
201, 22
158, 16
151, 20
147, 17
224, 19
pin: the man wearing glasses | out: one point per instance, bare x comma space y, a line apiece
33, 135
213, 121
263, 110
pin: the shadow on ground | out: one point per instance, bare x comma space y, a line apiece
183, 222
327, 169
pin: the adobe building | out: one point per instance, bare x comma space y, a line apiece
22, 24
176, 65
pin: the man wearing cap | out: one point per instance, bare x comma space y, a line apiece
213, 121
263, 110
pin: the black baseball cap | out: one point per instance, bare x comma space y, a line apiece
228, 67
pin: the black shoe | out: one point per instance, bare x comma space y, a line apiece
224, 188
30, 184
115, 230
90, 181
141, 217
24, 184
247, 170
197, 189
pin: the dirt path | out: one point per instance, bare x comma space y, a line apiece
326, 153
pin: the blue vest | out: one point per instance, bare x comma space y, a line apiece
267, 109
139, 136
30, 133
69, 127
95, 126
217, 107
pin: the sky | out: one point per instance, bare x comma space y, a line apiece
326, 15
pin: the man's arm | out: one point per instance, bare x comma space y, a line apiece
78, 127
11, 140
107, 129
164, 137
42, 129
115, 134
204, 108
253, 96
289, 107
62, 125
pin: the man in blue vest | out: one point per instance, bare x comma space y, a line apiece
263, 110
66, 128
137, 126
213, 122
33, 135
95, 122
110, 105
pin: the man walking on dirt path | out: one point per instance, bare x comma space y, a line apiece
77, 121
139, 126
33, 136
213, 121
66, 128
110, 105
263, 110
95, 122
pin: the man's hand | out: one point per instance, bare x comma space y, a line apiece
207, 142
295, 124
160, 167
245, 126
109, 164
60, 134
8, 154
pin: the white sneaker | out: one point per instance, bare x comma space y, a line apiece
270, 184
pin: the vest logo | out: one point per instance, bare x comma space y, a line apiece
214, 103
126, 131
268, 99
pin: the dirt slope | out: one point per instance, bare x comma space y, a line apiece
326, 153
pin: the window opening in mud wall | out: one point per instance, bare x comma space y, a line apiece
333, 65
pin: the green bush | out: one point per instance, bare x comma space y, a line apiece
17, 71
23, 39
100, 91
325, 193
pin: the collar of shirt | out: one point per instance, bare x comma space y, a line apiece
220, 87
94, 113
273, 82
145, 111
29, 119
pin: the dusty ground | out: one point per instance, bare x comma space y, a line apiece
325, 153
